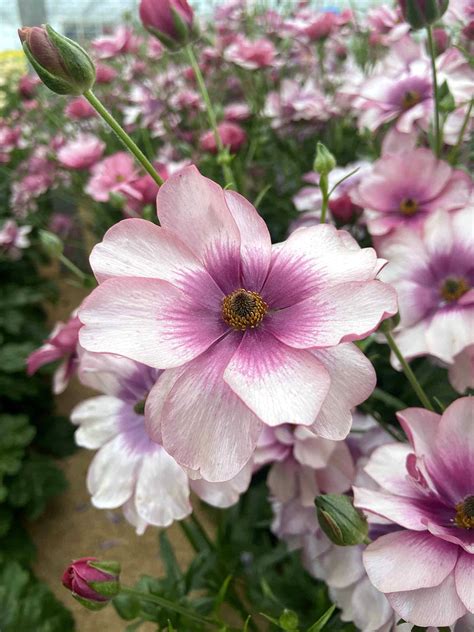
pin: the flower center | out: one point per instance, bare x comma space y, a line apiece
453, 288
408, 206
243, 309
139, 407
410, 98
465, 513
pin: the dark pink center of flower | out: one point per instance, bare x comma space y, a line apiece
408, 206
453, 288
410, 98
465, 513
243, 309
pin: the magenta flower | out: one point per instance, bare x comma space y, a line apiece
251, 54
92, 582
114, 174
170, 20
426, 568
61, 345
231, 318
120, 42
82, 152
434, 278
79, 108
404, 188
152, 488
231, 134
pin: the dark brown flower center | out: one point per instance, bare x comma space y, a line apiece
139, 407
453, 288
408, 206
410, 98
465, 513
243, 309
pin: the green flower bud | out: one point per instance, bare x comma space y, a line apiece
288, 621
51, 243
340, 520
62, 65
324, 162
390, 323
421, 13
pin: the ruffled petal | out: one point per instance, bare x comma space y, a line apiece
98, 420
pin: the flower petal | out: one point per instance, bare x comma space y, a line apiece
429, 559
341, 313
464, 578
204, 425
147, 320
195, 209
387, 466
256, 244
223, 494
98, 421
281, 385
437, 606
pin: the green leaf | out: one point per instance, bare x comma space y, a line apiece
13, 356
127, 606
321, 623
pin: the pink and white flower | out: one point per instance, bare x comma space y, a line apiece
232, 136
14, 239
79, 108
251, 54
434, 278
82, 152
114, 174
61, 345
130, 470
233, 320
121, 41
425, 569
461, 371
405, 188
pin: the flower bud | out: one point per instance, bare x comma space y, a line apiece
61, 64
340, 520
171, 21
91, 582
51, 243
324, 162
421, 13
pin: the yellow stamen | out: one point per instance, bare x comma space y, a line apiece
410, 98
408, 206
243, 309
465, 513
453, 288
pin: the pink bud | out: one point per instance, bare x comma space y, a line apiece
441, 40
169, 20
91, 582
42, 49
344, 210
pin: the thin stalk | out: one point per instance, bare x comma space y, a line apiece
323, 185
438, 138
411, 377
123, 136
222, 154
453, 154
170, 605
67, 263
388, 399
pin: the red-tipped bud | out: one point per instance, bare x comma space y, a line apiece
91, 582
171, 21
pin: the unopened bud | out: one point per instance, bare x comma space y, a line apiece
62, 65
51, 243
340, 520
421, 13
93, 583
324, 162
171, 21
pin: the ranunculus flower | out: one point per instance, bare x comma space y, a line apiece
434, 278
231, 134
92, 582
114, 174
82, 152
120, 42
405, 188
61, 345
251, 54
14, 239
104, 73
171, 21
79, 108
426, 568
152, 488
233, 320
27, 86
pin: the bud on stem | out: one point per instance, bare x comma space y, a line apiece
341, 521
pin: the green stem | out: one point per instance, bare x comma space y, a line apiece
388, 399
455, 150
323, 185
169, 605
67, 263
411, 377
438, 138
222, 153
123, 136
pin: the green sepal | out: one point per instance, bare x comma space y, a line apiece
106, 589
74, 58
59, 86
112, 567
89, 604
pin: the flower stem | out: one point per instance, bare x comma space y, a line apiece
455, 150
438, 139
323, 185
123, 136
411, 377
67, 263
223, 155
170, 605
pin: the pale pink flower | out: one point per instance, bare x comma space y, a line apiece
13, 239
130, 470
237, 112
104, 73
434, 278
251, 54
461, 371
426, 568
232, 319
27, 86
405, 188
61, 345
82, 152
121, 41
79, 108
316, 25
114, 174
295, 102
232, 136
387, 25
